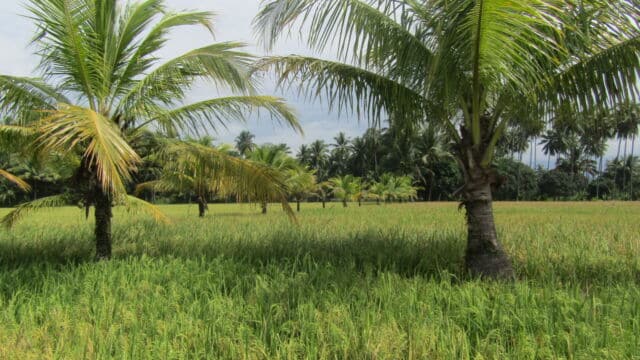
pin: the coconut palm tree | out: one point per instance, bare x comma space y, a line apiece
319, 158
304, 155
244, 143
553, 144
102, 83
204, 170
346, 188
300, 182
339, 159
475, 66
274, 158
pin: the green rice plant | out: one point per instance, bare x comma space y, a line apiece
370, 282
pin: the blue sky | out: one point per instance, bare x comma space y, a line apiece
233, 23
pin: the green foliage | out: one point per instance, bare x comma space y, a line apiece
518, 181
359, 283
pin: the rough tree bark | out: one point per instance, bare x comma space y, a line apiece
202, 206
103, 215
484, 256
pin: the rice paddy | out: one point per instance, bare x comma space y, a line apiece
370, 282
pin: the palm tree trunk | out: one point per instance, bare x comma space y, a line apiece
103, 215
548, 161
484, 256
633, 143
202, 206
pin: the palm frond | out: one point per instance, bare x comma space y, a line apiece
209, 114
23, 209
24, 98
221, 63
136, 205
348, 88
16, 180
103, 144
368, 31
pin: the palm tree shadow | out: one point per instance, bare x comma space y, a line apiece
438, 257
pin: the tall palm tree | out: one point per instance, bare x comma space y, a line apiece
274, 158
102, 83
244, 143
339, 159
319, 158
304, 155
553, 144
203, 170
476, 66
432, 150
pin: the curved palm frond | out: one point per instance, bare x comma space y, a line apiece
103, 144
204, 170
16, 180
23, 98
369, 31
136, 205
219, 111
23, 209
220, 63
348, 88
607, 77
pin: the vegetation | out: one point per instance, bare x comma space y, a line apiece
381, 282
207, 171
476, 68
101, 85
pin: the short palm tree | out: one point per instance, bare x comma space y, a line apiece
300, 182
477, 67
346, 188
203, 170
276, 159
102, 83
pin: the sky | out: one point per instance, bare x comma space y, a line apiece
232, 23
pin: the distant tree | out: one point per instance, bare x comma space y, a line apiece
304, 155
346, 188
517, 180
204, 170
557, 184
274, 158
244, 143
319, 158
301, 183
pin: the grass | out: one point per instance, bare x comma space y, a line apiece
376, 282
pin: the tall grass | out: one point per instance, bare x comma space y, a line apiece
376, 282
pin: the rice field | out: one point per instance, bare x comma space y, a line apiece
370, 282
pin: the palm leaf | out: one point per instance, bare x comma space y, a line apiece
103, 144
23, 209
16, 180
219, 111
